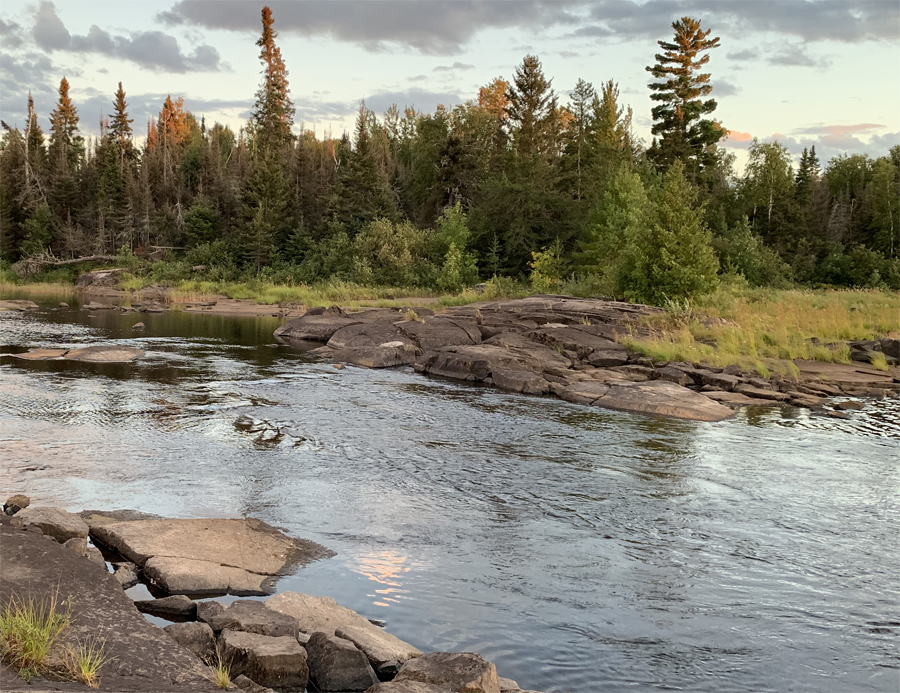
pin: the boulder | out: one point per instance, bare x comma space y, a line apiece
93, 554
387, 355
314, 328
108, 277
891, 347
379, 646
586, 392
196, 637
207, 611
523, 381
245, 684
807, 401
104, 354
55, 522
138, 326
465, 672
673, 375
177, 606
336, 664
760, 393
722, 381
368, 335
16, 503
662, 398
739, 400
253, 617
126, 574
97, 305
77, 544
407, 687
433, 333
206, 557
274, 662
318, 614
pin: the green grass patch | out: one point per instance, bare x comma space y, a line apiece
29, 631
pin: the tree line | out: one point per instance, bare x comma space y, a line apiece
513, 184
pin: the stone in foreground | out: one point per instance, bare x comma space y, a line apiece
54, 522
336, 665
205, 557
407, 687
253, 617
174, 607
274, 662
465, 672
318, 614
196, 637
16, 503
379, 646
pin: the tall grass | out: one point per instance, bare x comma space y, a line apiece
85, 661
768, 327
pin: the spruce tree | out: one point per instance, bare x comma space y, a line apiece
273, 112
66, 155
684, 134
532, 109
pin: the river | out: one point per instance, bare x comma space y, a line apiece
579, 549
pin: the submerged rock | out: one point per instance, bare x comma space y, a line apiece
18, 304
177, 606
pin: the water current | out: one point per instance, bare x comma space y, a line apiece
579, 549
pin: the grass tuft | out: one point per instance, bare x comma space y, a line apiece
29, 630
878, 361
85, 661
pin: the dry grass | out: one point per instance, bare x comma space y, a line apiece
769, 328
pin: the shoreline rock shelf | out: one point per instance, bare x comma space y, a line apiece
285, 643
563, 346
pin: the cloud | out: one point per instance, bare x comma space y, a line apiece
797, 56
150, 49
722, 87
19, 75
743, 56
426, 26
737, 140
455, 67
821, 20
829, 140
11, 33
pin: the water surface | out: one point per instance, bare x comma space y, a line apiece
581, 550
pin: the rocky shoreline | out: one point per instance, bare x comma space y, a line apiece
569, 348
542, 345
288, 642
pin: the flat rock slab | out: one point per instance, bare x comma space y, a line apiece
94, 354
203, 557
379, 646
318, 614
176, 607
736, 399
407, 687
18, 304
142, 656
456, 671
839, 374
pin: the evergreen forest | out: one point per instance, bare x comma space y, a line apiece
521, 184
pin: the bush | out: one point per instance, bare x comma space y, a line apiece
459, 270
202, 224
547, 269
860, 267
389, 254
743, 252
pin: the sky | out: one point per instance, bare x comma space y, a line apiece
802, 72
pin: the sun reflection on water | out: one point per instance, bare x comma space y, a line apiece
385, 568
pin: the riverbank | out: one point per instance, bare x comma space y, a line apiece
285, 643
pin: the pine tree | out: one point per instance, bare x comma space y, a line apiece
273, 112
361, 192
532, 109
581, 131
684, 134
120, 129
66, 145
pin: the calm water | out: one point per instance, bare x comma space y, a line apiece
581, 550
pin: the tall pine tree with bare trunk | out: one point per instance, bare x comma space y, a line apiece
682, 132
